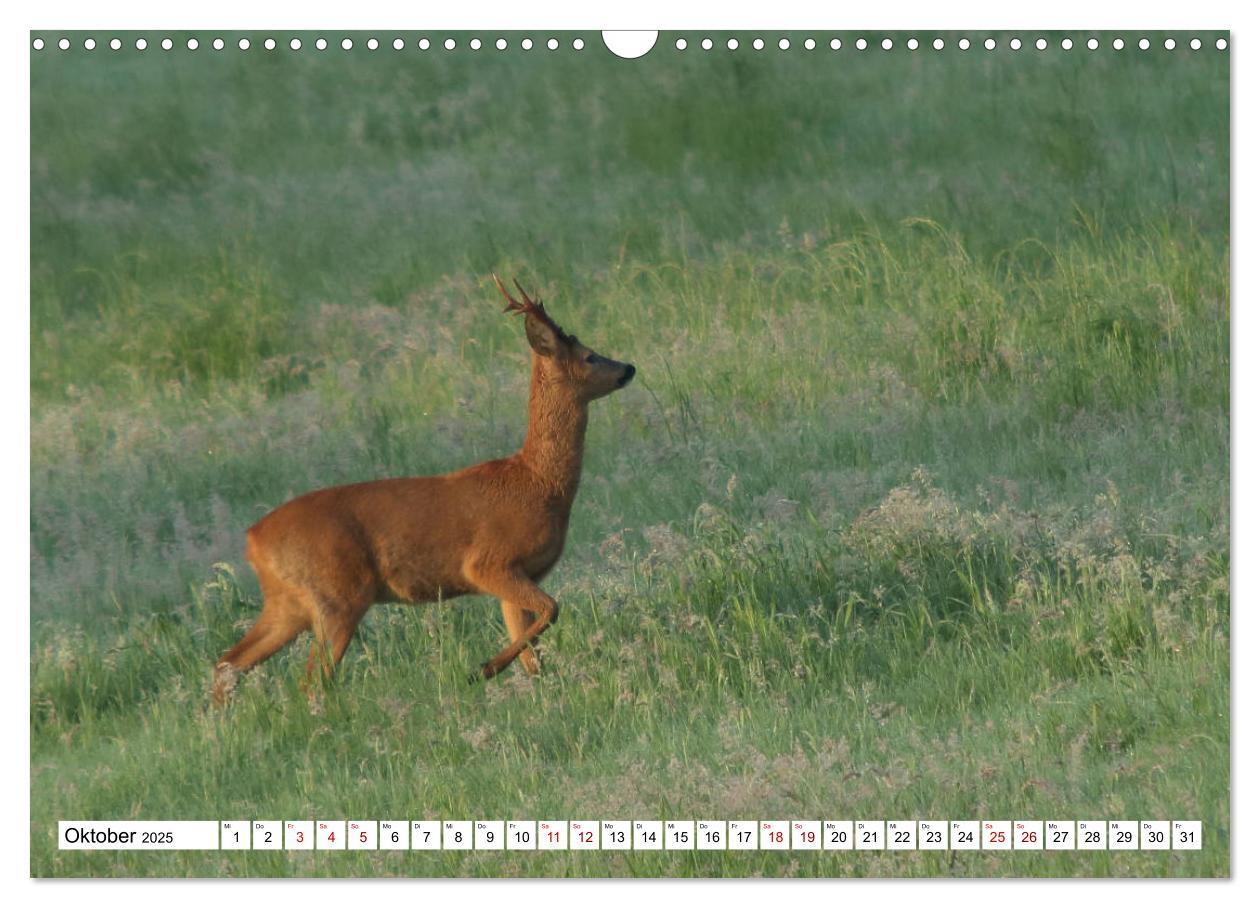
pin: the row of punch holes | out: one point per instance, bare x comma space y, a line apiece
502, 44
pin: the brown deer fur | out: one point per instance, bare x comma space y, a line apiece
324, 558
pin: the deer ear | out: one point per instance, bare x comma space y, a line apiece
541, 337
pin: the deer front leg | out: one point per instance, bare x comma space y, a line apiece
520, 594
517, 626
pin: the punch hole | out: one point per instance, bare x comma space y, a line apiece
630, 45
1042, 44
578, 44
707, 44
373, 44
115, 44
64, 44
1221, 44
886, 44
346, 44
1118, 44
681, 44
860, 44
217, 44
527, 43
243, 44
1170, 44
810, 44
758, 44
552, 44
142, 44
964, 43
295, 44
1195, 44
938, 44
732, 44
449, 43
1016, 44
1144, 44
475, 44
836, 44
913, 44
1092, 44
89, 44
989, 44
500, 44
1066, 44
399, 44
193, 44
270, 44
38, 44
423, 44
784, 44
167, 44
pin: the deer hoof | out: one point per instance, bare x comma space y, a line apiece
225, 677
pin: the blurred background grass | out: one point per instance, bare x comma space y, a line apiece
931, 430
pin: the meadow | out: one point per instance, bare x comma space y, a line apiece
918, 506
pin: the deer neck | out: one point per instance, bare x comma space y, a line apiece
555, 437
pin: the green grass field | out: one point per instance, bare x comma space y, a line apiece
919, 506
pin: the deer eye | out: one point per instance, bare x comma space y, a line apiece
591, 359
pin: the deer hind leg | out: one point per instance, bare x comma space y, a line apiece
518, 591
333, 633
517, 626
279, 622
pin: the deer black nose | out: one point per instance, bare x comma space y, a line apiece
626, 376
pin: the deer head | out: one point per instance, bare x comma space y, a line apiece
564, 359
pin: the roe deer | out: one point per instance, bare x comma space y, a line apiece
496, 528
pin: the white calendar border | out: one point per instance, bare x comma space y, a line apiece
783, 14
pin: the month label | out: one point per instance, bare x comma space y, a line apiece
138, 835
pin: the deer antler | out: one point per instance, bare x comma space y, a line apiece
527, 306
